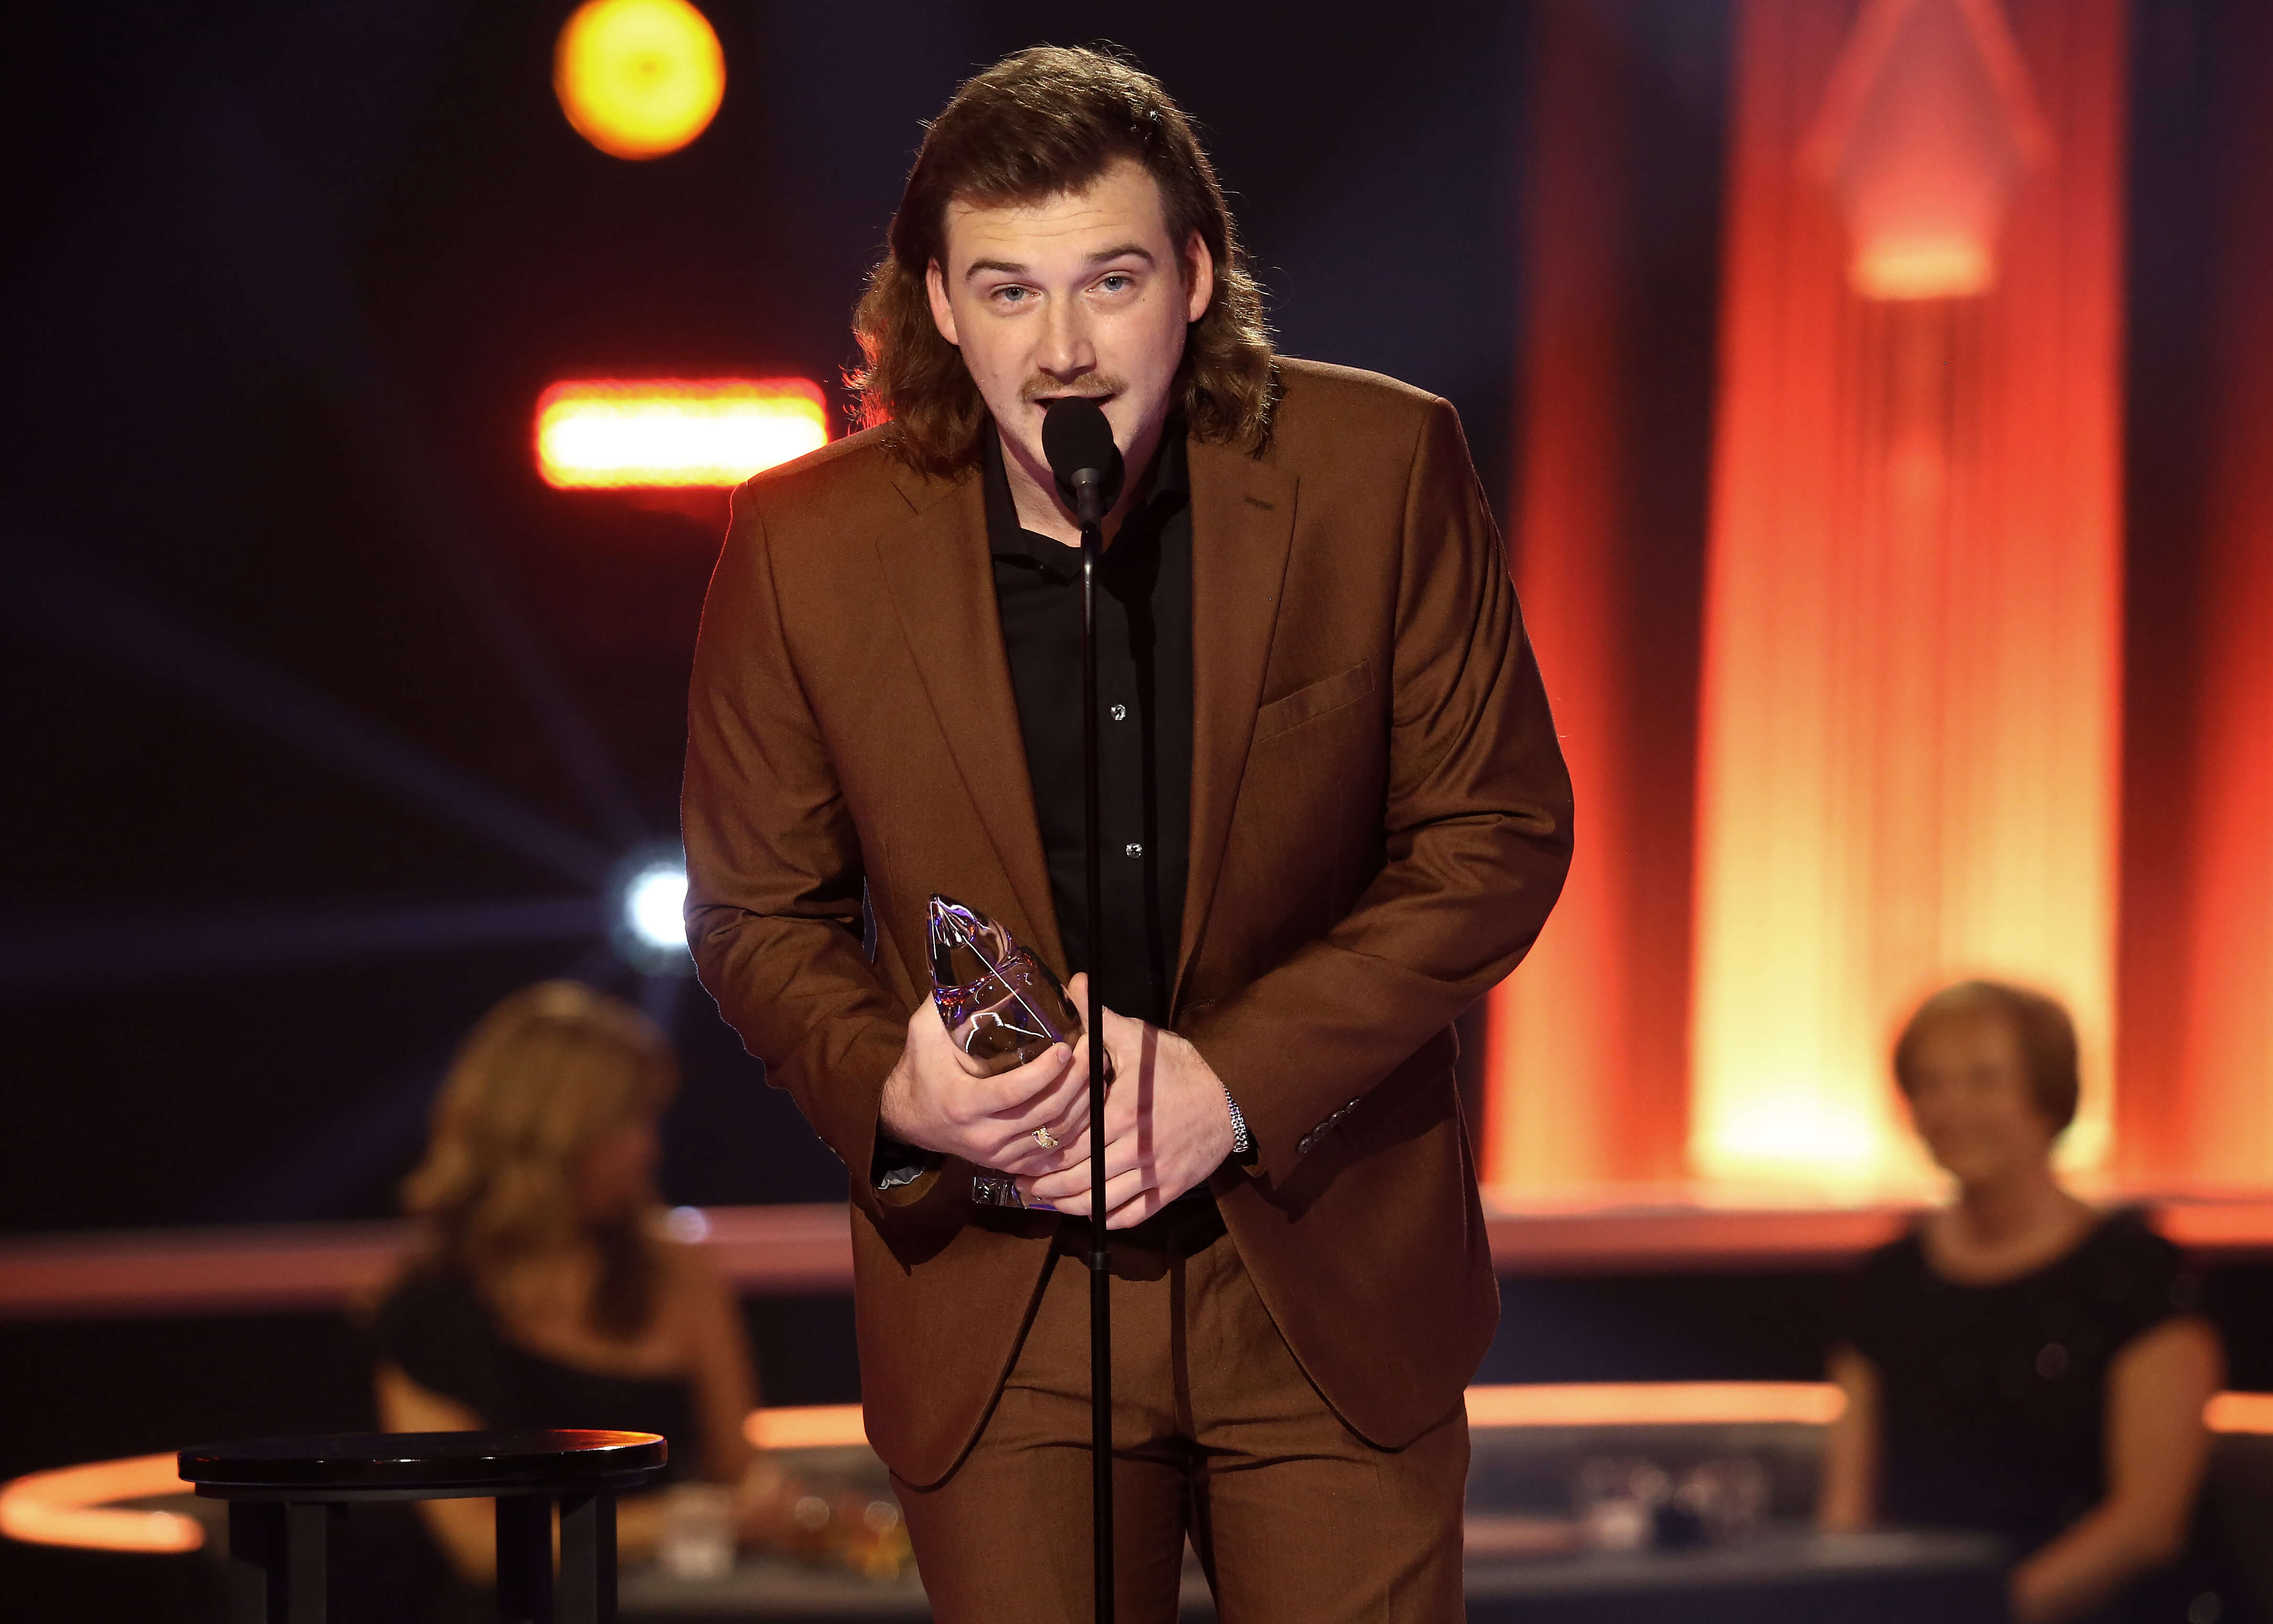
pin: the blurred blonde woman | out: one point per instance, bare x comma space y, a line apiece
548, 1294
2021, 1364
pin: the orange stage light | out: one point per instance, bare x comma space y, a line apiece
805, 1427
1928, 126
608, 433
639, 78
70, 1507
2240, 1412
1655, 1404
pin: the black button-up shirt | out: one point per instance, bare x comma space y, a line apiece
1145, 699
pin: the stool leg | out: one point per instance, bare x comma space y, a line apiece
257, 1562
308, 1562
588, 1559
524, 1559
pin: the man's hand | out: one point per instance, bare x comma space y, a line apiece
935, 1099
1168, 1126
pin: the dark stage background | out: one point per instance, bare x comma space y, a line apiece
327, 722
327, 714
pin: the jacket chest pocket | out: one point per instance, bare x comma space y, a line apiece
1313, 701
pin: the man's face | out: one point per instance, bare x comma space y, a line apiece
1080, 293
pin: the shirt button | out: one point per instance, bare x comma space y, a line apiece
1134, 849
1121, 713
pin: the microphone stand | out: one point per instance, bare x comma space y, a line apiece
1089, 496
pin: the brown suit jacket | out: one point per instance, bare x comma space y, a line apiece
1380, 822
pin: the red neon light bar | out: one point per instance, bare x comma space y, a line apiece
619, 433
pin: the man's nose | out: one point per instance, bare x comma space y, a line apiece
1066, 350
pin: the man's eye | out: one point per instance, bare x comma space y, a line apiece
1115, 283
1011, 295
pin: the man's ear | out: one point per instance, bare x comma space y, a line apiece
942, 313
1199, 278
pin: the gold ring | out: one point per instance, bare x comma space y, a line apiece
1046, 1139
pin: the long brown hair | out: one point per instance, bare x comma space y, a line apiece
1047, 121
546, 1071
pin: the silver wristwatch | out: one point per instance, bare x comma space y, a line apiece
1243, 1142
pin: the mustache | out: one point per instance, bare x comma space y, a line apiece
1095, 386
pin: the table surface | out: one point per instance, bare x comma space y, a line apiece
565, 1460
771, 1588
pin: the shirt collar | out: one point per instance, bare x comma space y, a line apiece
1167, 490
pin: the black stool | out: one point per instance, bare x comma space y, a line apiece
285, 1495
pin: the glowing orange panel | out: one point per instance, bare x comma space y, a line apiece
805, 1427
1655, 1404
611, 433
1586, 1053
1907, 742
639, 78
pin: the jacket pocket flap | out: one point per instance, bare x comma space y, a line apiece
1314, 701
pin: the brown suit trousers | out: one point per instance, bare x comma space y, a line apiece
1380, 823
1218, 1437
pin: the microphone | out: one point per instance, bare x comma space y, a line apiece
1083, 458
1086, 465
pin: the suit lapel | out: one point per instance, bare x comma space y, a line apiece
941, 576
1242, 528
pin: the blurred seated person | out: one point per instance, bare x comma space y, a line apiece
548, 1294
2020, 1364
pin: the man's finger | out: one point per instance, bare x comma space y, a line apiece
1039, 1163
1123, 1159
1120, 1119
1072, 1071
1014, 1092
1022, 1155
1069, 1122
1068, 1180
1146, 1201
927, 1035
1063, 1109
1118, 1192
1125, 1146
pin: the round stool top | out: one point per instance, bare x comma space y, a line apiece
442, 1462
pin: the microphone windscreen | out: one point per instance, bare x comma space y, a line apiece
1075, 436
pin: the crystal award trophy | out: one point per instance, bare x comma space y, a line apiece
1001, 1006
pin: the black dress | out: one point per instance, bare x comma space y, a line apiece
437, 1330
1993, 1398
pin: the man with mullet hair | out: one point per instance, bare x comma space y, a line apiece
1335, 815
